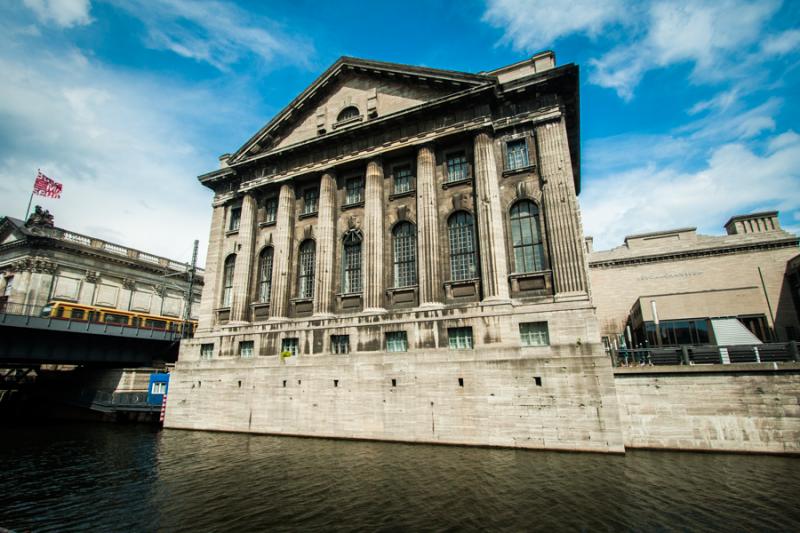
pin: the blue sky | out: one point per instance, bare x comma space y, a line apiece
689, 109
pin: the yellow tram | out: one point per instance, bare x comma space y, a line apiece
106, 315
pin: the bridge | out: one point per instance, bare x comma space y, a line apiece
27, 338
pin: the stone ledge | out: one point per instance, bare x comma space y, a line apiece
733, 368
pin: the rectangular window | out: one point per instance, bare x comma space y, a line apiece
246, 349
9, 284
354, 188
516, 154
77, 314
396, 341
351, 282
236, 216
403, 179
310, 201
289, 345
206, 351
155, 324
159, 387
456, 167
460, 338
534, 334
340, 343
110, 318
271, 210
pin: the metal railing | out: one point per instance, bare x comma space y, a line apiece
707, 355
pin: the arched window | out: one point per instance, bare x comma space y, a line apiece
265, 275
462, 246
351, 269
227, 280
404, 235
526, 237
305, 272
347, 113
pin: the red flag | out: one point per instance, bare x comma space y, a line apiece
44, 186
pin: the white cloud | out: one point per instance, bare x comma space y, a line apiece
782, 43
64, 13
535, 24
214, 32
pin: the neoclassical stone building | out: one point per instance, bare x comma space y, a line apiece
398, 254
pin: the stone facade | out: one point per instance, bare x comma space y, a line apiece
398, 255
41, 263
690, 276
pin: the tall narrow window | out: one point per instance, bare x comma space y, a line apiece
404, 235
456, 167
227, 280
271, 210
265, 275
235, 218
310, 201
516, 154
462, 246
403, 179
351, 269
305, 272
355, 190
526, 237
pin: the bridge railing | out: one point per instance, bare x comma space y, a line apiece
707, 354
31, 312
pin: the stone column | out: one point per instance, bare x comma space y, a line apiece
430, 279
240, 306
491, 230
282, 254
561, 213
326, 246
209, 299
373, 238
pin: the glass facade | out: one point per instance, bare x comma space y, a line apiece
674, 332
462, 246
404, 237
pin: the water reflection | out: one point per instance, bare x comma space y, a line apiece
119, 478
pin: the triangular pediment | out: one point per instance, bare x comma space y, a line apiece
368, 89
9, 231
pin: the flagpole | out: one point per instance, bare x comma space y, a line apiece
28, 211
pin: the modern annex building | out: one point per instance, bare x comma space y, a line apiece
398, 254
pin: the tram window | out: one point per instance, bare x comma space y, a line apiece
135, 321
59, 311
77, 314
155, 324
111, 318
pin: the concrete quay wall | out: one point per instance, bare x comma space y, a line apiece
553, 397
732, 408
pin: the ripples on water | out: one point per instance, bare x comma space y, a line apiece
131, 478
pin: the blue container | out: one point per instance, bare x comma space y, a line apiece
159, 384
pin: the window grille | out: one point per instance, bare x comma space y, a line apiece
159, 387
517, 154
310, 201
236, 217
402, 179
246, 349
206, 351
340, 343
347, 113
271, 210
305, 272
405, 254
227, 280
290, 345
351, 270
526, 237
460, 338
355, 190
462, 246
534, 334
396, 341
456, 167
265, 275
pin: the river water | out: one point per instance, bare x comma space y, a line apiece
86, 477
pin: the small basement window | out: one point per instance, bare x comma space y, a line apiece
335, 382
537, 380
394, 383
460, 382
